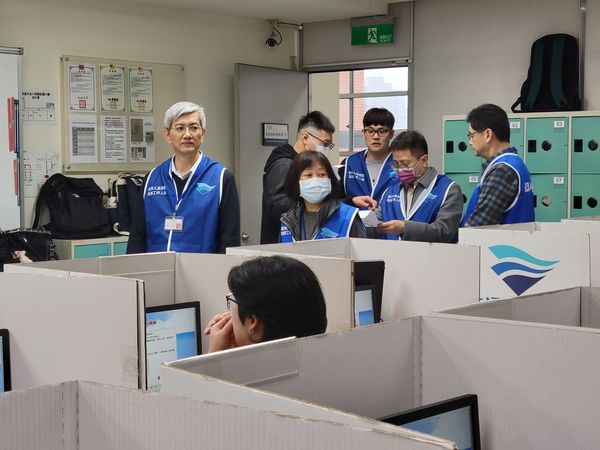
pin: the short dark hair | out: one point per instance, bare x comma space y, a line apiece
410, 140
379, 116
492, 117
316, 120
283, 293
304, 160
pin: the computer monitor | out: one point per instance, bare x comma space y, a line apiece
364, 313
172, 332
455, 419
5, 381
370, 273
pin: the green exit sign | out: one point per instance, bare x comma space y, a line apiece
373, 34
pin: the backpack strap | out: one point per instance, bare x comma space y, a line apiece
556, 73
537, 69
43, 196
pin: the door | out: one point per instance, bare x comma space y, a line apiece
262, 95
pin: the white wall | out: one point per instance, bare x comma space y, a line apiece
207, 45
469, 52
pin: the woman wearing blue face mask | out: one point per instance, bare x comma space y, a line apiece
317, 214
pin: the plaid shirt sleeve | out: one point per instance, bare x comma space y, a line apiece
497, 192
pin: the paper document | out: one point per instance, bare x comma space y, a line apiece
368, 217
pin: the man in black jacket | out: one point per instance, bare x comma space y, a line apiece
315, 131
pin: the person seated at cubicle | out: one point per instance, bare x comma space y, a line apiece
426, 206
190, 202
271, 297
317, 213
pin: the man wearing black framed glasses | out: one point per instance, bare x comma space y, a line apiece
367, 174
315, 132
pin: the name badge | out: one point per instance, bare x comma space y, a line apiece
173, 223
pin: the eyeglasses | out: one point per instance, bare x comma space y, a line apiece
471, 134
230, 298
397, 166
327, 144
193, 129
380, 131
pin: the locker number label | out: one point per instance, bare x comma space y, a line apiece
515, 125
559, 180
474, 179
559, 124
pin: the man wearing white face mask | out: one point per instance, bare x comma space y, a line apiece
315, 131
317, 213
427, 206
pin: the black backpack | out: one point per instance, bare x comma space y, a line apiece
552, 82
37, 245
127, 189
75, 206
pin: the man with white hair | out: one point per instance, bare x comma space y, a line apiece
190, 202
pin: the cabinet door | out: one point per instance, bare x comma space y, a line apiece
550, 192
585, 145
82, 251
467, 183
458, 154
547, 142
585, 195
517, 135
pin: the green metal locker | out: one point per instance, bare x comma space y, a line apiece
467, 183
550, 192
585, 195
458, 154
547, 145
585, 145
517, 135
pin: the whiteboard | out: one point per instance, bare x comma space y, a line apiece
10, 211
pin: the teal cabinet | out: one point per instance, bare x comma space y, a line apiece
547, 144
550, 193
91, 250
458, 154
467, 183
585, 145
119, 248
585, 195
517, 135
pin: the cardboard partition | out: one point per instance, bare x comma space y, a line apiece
83, 415
69, 326
419, 276
515, 262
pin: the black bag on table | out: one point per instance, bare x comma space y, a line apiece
127, 189
75, 206
37, 245
552, 82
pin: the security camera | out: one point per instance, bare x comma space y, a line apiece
272, 41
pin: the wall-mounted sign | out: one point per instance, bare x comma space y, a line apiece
274, 134
373, 34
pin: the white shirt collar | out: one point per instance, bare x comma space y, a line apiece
185, 175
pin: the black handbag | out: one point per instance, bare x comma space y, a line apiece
23, 245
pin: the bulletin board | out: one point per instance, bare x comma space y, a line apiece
113, 111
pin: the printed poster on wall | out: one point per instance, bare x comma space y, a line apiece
141, 92
39, 164
38, 106
82, 87
113, 145
141, 137
112, 87
83, 147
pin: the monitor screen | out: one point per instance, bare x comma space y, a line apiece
172, 332
370, 273
364, 313
456, 419
5, 382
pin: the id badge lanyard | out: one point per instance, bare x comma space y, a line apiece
175, 222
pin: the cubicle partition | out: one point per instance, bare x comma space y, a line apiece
419, 277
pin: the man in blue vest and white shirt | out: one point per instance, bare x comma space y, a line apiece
366, 174
504, 193
427, 206
190, 202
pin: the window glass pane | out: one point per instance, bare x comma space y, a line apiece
344, 82
343, 125
381, 80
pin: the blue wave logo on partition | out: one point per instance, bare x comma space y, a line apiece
327, 233
204, 188
518, 269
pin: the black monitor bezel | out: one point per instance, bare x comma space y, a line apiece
434, 409
171, 307
4, 334
371, 272
366, 287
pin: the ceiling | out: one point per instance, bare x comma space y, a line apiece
295, 11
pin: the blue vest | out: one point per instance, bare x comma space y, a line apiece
424, 208
198, 205
338, 225
521, 209
357, 180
